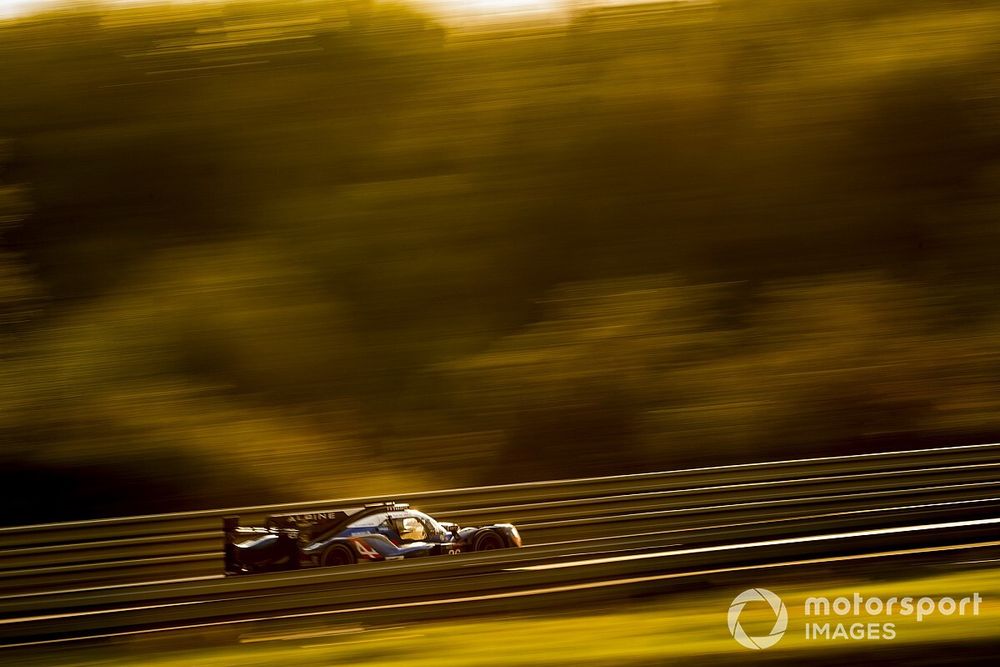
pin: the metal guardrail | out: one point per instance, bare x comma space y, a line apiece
391, 594
189, 544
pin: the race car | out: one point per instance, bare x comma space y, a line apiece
376, 532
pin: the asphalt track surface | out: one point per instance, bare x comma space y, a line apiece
585, 539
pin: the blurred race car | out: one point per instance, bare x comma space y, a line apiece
375, 532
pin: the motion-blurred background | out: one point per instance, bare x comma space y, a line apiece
270, 251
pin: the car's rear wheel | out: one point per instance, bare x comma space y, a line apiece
487, 540
338, 554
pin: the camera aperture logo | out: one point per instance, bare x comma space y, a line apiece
780, 618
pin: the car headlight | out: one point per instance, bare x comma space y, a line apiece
516, 536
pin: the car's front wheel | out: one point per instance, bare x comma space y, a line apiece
338, 554
487, 540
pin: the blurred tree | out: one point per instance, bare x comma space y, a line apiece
670, 235
19, 294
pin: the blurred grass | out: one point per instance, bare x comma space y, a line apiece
682, 626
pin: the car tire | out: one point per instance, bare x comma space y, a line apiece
488, 540
338, 554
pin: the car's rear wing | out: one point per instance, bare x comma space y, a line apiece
311, 521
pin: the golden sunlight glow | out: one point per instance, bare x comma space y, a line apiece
487, 8
446, 8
